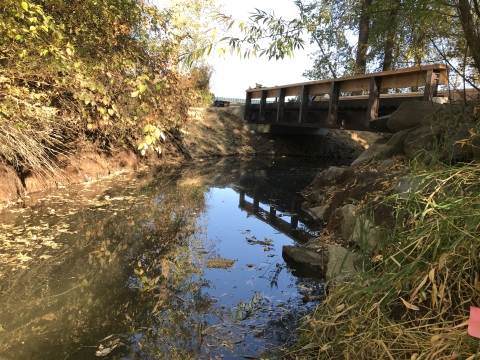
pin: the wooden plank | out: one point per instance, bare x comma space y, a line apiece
391, 79
304, 104
263, 106
333, 107
281, 105
373, 99
431, 85
248, 104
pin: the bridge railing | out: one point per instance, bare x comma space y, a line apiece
429, 76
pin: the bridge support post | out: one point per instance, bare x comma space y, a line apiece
304, 103
373, 99
334, 98
281, 105
248, 105
431, 84
273, 215
263, 105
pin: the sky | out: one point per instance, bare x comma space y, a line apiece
232, 76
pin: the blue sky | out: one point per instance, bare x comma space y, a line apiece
232, 76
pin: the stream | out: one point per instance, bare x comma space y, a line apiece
166, 263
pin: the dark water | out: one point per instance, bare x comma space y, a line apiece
127, 259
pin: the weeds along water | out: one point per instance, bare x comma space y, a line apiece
412, 301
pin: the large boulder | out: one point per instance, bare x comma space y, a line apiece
332, 176
392, 147
421, 138
407, 186
319, 212
380, 124
365, 235
457, 148
306, 262
341, 262
348, 220
370, 152
412, 113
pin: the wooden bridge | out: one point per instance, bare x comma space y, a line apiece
315, 110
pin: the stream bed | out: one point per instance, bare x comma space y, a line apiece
167, 263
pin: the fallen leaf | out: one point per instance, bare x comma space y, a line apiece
408, 305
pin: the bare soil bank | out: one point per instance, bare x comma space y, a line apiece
209, 132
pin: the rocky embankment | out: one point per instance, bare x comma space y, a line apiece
347, 199
211, 132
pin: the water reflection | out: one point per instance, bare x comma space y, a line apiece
117, 269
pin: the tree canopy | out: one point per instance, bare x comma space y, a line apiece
361, 36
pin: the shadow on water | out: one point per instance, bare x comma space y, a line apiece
121, 269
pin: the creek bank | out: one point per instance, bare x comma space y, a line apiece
208, 133
422, 132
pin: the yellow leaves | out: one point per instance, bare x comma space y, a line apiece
135, 93
25, 5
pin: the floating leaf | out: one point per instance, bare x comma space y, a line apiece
135, 93
142, 88
25, 5
148, 140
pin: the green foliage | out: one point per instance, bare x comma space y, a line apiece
98, 69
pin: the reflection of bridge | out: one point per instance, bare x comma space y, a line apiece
349, 112
288, 228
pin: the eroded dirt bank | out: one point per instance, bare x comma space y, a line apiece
208, 133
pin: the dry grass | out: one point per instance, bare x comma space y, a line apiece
414, 304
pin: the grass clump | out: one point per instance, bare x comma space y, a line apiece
414, 303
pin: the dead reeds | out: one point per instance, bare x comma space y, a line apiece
415, 303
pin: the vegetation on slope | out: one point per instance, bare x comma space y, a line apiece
413, 296
106, 71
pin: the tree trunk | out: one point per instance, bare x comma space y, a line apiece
391, 32
363, 33
470, 31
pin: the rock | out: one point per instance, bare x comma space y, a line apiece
420, 139
370, 152
385, 164
305, 262
334, 172
319, 211
407, 186
365, 235
380, 124
357, 153
11, 187
341, 262
331, 176
315, 196
412, 113
392, 147
348, 221
476, 148
303, 255
454, 151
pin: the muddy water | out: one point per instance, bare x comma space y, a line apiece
127, 267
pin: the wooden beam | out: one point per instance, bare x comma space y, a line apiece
373, 99
431, 82
333, 108
304, 104
263, 106
281, 105
248, 104
400, 78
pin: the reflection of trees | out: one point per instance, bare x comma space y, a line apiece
133, 273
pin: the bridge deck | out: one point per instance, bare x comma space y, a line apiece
319, 114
